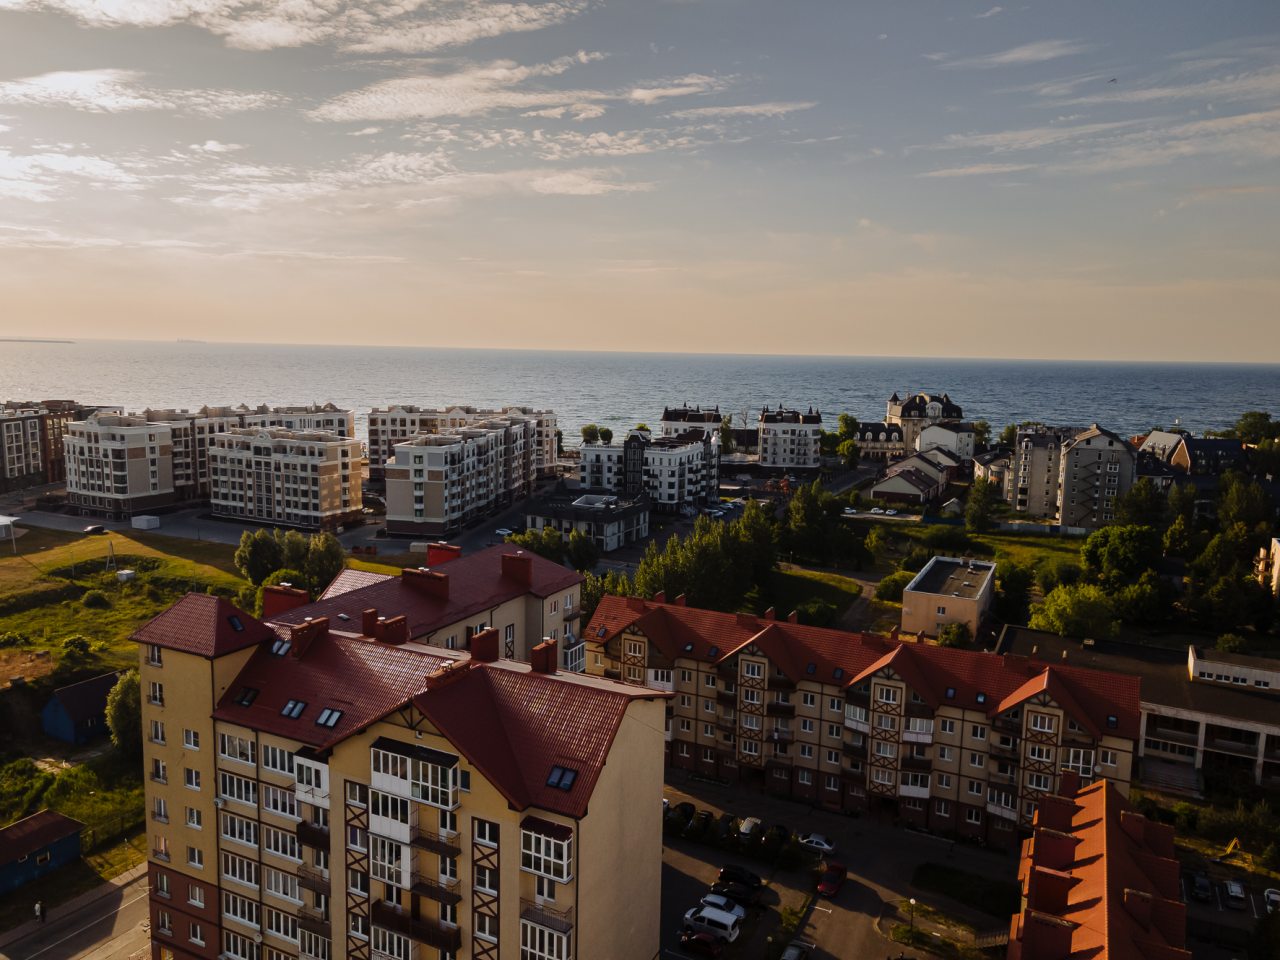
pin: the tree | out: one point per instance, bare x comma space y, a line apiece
847, 424
325, 560
546, 542
726, 434
641, 426
756, 539
891, 587
1177, 539
1244, 501
1053, 573
1143, 505
1013, 591
559, 444
1144, 603
979, 510
847, 451
954, 635
293, 577
1255, 426
1182, 502
1009, 435
1119, 555
581, 552
590, 433
1081, 610
606, 435
981, 434
258, 555
293, 549
1230, 643
124, 713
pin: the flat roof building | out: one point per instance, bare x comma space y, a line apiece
948, 590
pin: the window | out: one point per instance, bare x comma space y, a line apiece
833, 756
486, 926
157, 731
156, 696
358, 925
804, 777
191, 777
686, 676
240, 908
885, 721
946, 726
750, 748
387, 861
246, 696
978, 731
240, 789
154, 657
390, 945
357, 838
975, 788
313, 945
239, 829
973, 816
546, 856
282, 924
276, 800
1108, 757
293, 709
191, 739
240, 869
751, 696
196, 934
277, 759
884, 748
977, 760
1038, 781
944, 781
809, 699
195, 895
806, 726
1044, 723
238, 946
486, 832
833, 731
1039, 753
162, 885
806, 751
237, 748
328, 718
709, 681
195, 857
886, 694
881, 775
164, 923
752, 669
389, 807
280, 842
942, 808
834, 705
357, 794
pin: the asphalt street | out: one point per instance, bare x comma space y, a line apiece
111, 927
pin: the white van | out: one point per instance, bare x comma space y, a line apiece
721, 925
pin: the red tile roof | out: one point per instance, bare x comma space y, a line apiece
516, 726
205, 625
26, 836
1091, 697
1099, 880
476, 584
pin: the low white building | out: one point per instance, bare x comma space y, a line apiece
918, 479
119, 465
325, 417
789, 439
608, 521
953, 436
677, 421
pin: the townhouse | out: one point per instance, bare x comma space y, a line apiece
954, 741
917, 411
677, 474
880, 441
400, 423
954, 436
322, 792
439, 483
293, 478
789, 439
1095, 469
919, 478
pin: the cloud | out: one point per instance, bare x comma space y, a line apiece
990, 13
1254, 85
41, 177
774, 109
575, 111
1226, 192
979, 170
686, 86
366, 26
1032, 138
117, 91
1038, 52
364, 132
216, 146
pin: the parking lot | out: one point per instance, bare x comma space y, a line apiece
880, 857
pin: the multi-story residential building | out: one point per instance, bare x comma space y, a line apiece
677, 421
1205, 713
399, 424
1207, 456
917, 411
326, 792
21, 453
1096, 467
608, 521
953, 740
1269, 566
325, 417
527, 598
677, 474
880, 441
994, 466
292, 478
789, 439
948, 590
1035, 470
1098, 880
438, 483
954, 436
119, 465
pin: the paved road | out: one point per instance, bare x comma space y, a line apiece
113, 927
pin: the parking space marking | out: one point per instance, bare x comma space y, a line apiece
823, 909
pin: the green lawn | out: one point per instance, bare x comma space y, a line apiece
790, 587
1032, 549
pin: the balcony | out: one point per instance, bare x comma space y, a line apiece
1234, 747
433, 933
313, 878
440, 889
442, 844
314, 919
778, 681
311, 835
781, 735
775, 708
856, 750
547, 916
727, 670
923, 764
727, 720
906, 790
999, 810
862, 726
728, 698
1009, 752
1007, 725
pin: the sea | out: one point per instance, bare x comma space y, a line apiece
619, 390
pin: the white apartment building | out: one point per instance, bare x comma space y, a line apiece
1096, 467
438, 482
954, 436
790, 439
677, 421
192, 433
21, 457
398, 424
678, 473
293, 478
326, 417
119, 465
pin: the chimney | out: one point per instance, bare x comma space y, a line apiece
1053, 849
543, 657
1046, 938
1135, 825
1137, 903
484, 645
747, 620
369, 623
1047, 890
771, 614
429, 583
1055, 811
281, 598
394, 631
793, 616
637, 604
660, 597
680, 600
518, 566
441, 553
302, 635
1069, 784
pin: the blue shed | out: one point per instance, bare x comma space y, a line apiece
35, 846
77, 713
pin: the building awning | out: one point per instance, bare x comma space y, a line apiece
415, 752
556, 831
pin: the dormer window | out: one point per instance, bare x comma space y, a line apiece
328, 718
246, 696
293, 709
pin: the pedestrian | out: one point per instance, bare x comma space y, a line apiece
40, 910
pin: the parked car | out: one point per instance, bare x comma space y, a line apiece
797, 950
832, 879
877, 510
739, 893
891, 513
726, 827
678, 817
698, 944
723, 926
850, 511
722, 902
503, 532
776, 836
749, 829
1271, 898
817, 843
1201, 888
1233, 893
732, 873
95, 528
698, 824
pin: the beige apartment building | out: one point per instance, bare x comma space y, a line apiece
789, 439
119, 465
954, 741
291, 478
1096, 468
1035, 469
948, 590
318, 792
325, 417
21, 453
440, 482
399, 424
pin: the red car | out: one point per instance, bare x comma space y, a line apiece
700, 944
832, 879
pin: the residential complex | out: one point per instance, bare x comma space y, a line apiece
949, 739
608, 521
323, 790
1205, 713
327, 418
398, 424
1098, 880
948, 590
790, 439
440, 482
920, 478
1096, 468
292, 478
917, 411
677, 474
31, 448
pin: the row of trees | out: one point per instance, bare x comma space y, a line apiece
578, 550
269, 557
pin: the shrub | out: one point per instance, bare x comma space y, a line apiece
954, 635
1231, 643
816, 613
14, 639
1186, 816
95, 600
76, 646
891, 587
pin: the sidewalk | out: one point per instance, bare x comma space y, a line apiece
125, 879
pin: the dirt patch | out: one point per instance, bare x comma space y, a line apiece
26, 663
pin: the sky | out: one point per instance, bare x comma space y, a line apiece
1083, 180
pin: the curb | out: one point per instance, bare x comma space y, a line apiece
126, 879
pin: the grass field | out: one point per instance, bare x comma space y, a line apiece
789, 587
1032, 549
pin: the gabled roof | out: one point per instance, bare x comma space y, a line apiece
205, 625
515, 726
87, 699
26, 836
904, 661
1055, 685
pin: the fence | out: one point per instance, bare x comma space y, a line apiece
107, 831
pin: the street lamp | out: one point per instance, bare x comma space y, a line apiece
913, 919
